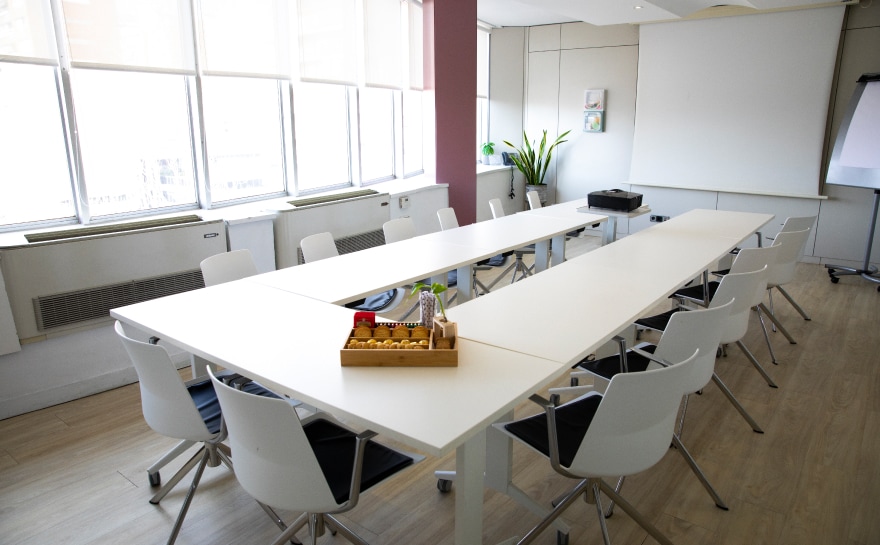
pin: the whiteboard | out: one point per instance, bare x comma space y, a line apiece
855, 160
735, 103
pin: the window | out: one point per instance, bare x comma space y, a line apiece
376, 122
321, 131
135, 140
34, 173
413, 141
243, 135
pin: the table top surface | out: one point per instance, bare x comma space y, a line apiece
291, 344
568, 311
388, 266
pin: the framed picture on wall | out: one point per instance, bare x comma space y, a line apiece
594, 99
594, 121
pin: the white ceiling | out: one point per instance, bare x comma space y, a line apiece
501, 13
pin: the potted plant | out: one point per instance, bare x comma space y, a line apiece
488, 150
533, 162
427, 297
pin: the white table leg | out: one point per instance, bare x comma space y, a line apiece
542, 254
557, 250
465, 287
609, 230
470, 463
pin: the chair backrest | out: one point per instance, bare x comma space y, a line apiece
791, 246
448, 219
694, 330
798, 223
228, 266
274, 461
534, 199
167, 405
633, 426
318, 246
398, 229
739, 288
753, 259
496, 207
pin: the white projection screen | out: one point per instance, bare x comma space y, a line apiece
736, 104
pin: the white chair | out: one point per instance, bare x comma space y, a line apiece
746, 260
398, 229
227, 267
535, 202
448, 220
316, 466
739, 287
322, 246
599, 435
518, 265
187, 411
685, 332
791, 245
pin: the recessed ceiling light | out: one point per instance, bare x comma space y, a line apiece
637, 7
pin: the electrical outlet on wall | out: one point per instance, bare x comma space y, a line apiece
657, 219
404, 201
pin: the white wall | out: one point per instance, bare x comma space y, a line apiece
562, 61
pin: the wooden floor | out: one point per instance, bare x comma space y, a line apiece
75, 473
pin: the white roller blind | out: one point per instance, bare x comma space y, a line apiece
27, 32
254, 40
736, 103
482, 63
145, 34
383, 43
328, 41
416, 47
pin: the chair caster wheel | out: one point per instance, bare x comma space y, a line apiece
444, 485
835, 280
561, 539
155, 478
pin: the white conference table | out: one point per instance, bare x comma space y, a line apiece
614, 284
577, 306
355, 275
291, 344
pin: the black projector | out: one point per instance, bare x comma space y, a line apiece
615, 199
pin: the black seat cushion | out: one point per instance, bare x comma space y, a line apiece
205, 398
610, 366
572, 422
657, 322
696, 292
334, 447
373, 303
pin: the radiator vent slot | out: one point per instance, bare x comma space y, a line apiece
346, 245
78, 306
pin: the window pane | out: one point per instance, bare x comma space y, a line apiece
321, 125
26, 30
34, 175
376, 133
243, 137
135, 140
412, 132
151, 33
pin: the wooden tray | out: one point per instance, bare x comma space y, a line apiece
397, 357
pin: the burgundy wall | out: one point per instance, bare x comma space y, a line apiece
451, 73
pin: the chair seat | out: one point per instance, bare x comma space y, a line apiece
334, 448
657, 322
572, 421
610, 366
205, 398
373, 303
696, 292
